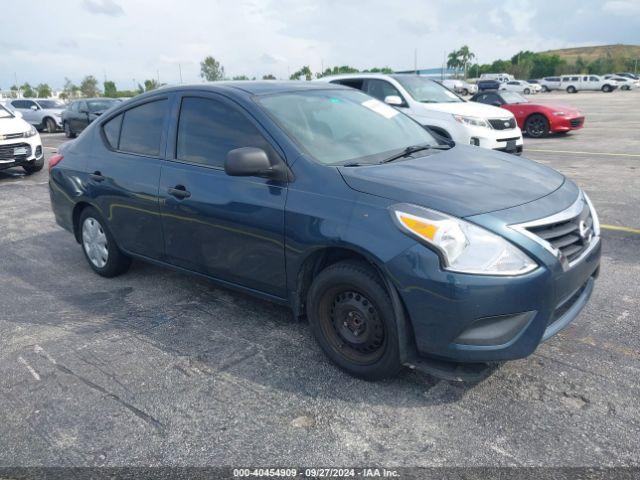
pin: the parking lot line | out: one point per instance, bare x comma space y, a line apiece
620, 229
584, 153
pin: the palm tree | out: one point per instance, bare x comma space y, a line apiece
465, 55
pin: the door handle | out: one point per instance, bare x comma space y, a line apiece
97, 176
179, 191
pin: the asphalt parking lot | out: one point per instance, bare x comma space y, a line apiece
160, 368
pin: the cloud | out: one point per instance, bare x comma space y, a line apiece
622, 7
103, 7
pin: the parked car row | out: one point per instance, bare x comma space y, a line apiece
400, 246
52, 115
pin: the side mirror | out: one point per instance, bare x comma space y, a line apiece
394, 100
248, 162
33, 107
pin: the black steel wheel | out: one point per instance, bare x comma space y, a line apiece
351, 316
536, 126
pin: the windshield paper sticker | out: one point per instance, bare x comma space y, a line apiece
380, 108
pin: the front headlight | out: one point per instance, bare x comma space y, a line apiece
559, 114
472, 121
463, 247
30, 133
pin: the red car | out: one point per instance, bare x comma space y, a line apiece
534, 119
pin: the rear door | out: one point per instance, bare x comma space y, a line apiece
124, 172
231, 228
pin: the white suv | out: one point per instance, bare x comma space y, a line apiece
20, 144
441, 110
577, 83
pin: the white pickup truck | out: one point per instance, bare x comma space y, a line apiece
577, 83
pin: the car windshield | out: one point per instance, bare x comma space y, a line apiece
426, 91
4, 113
100, 105
340, 126
51, 104
513, 97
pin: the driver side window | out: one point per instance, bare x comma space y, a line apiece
380, 89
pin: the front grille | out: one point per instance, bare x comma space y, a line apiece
502, 123
576, 122
566, 305
571, 237
10, 136
7, 152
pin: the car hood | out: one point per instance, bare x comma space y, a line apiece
13, 125
558, 107
462, 181
471, 109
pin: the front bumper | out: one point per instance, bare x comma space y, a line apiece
566, 124
20, 151
509, 140
474, 318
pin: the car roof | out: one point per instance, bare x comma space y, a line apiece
250, 87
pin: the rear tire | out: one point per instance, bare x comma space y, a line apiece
99, 246
536, 126
67, 131
571, 89
353, 321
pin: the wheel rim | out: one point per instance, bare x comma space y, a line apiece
94, 241
352, 324
536, 127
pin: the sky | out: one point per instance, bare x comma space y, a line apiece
128, 41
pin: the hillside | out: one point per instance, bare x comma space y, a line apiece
589, 54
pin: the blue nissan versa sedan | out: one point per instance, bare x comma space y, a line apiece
399, 249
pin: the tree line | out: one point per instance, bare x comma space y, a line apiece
526, 64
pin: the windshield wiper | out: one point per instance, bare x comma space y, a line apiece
406, 152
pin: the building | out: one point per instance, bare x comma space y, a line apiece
436, 73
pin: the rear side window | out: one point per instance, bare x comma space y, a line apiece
209, 129
112, 131
593, 79
142, 129
352, 82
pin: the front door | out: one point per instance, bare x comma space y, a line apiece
230, 228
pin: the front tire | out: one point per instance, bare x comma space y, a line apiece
50, 125
353, 321
99, 246
536, 126
527, 91
607, 88
67, 131
465, 92
545, 89
34, 167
